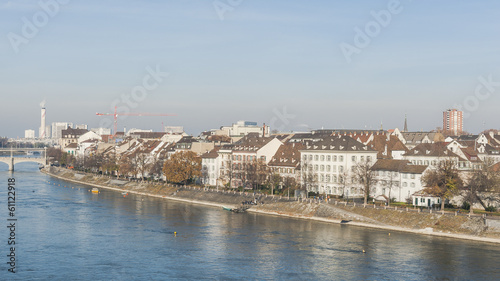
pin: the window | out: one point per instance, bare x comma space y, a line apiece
315, 157
341, 158
334, 178
362, 158
334, 168
334, 158
310, 157
341, 168
405, 176
368, 158
322, 168
422, 200
328, 158
412, 184
327, 178
322, 178
353, 158
304, 157
328, 168
412, 176
405, 184
322, 157
315, 167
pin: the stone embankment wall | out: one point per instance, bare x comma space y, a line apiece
475, 226
195, 194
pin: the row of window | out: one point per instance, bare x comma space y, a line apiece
334, 158
394, 174
247, 158
326, 168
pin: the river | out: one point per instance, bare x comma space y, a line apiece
64, 232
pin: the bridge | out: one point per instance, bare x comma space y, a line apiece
11, 160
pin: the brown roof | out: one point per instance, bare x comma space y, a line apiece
211, 154
438, 149
288, 155
402, 166
337, 143
383, 144
251, 142
73, 132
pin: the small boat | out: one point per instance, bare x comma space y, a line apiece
95, 190
227, 208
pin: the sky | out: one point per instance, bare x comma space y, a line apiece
293, 65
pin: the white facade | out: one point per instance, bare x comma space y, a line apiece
211, 170
101, 131
243, 128
57, 128
332, 170
397, 185
29, 134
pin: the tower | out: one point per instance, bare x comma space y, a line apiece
405, 129
453, 122
42, 133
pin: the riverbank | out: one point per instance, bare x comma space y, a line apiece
460, 227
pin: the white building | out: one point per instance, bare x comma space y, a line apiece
57, 128
243, 128
101, 131
210, 167
29, 134
397, 179
327, 165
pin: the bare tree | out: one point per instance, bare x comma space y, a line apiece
443, 181
482, 180
363, 174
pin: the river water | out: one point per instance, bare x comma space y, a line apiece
64, 232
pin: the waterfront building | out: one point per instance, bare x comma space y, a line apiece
328, 163
397, 179
286, 161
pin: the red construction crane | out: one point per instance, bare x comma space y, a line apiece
116, 114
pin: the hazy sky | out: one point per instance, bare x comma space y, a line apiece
295, 65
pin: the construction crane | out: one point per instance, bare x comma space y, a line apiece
116, 114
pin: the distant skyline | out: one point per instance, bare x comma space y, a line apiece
281, 63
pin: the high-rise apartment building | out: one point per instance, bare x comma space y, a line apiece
453, 122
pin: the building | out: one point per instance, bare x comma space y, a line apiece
81, 126
101, 131
243, 128
69, 136
327, 165
57, 128
29, 134
397, 179
210, 167
286, 161
250, 156
453, 122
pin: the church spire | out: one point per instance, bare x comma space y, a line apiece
406, 126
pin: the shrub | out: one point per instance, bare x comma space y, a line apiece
465, 205
490, 209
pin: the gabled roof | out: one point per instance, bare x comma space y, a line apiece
402, 166
212, 154
73, 132
438, 149
386, 144
251, 143
288, 155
